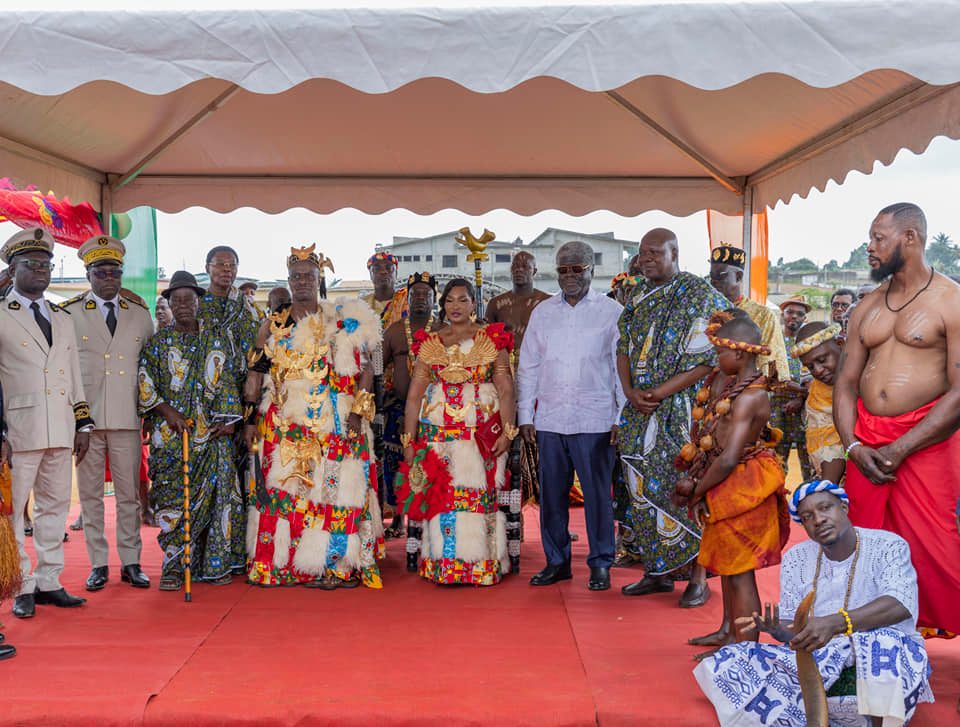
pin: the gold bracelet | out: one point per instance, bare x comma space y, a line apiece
511, 431
849, 621
406, 439
502, 368
363, 405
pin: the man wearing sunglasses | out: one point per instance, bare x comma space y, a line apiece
112, 327
569, 404
47, 416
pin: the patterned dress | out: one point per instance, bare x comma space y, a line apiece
464, 540
663, 333
194, 374
323, 519
791, 425
391, 311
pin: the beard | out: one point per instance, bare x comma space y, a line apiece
891, 266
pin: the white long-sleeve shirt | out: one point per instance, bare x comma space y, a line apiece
567, 373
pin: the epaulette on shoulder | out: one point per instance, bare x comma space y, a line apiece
134, 298
54, 307
74, 299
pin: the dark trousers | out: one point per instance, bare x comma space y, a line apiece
591, 456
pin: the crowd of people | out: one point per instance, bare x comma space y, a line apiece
318, 429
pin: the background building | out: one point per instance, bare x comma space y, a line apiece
442, 256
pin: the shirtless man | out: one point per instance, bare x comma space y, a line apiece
514, 307
896, 403
397, 339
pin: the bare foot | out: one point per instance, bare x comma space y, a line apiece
720, 637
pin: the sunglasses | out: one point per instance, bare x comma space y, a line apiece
38, 265
103, 273
575, 269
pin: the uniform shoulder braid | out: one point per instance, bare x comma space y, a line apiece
57, 308
71, 301
132, 297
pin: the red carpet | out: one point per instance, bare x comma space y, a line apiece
413, 653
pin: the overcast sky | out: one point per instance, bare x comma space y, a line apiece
823, 226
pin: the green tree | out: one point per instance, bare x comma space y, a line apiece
802, 265
857, 259
831, 267
943, 254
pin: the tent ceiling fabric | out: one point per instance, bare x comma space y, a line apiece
472, 109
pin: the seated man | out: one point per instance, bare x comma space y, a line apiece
866, 605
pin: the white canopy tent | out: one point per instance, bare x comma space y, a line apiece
628, 108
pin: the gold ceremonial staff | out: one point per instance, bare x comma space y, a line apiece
477, 248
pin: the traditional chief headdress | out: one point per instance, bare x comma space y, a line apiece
716, 323
309, 254
809, 488
101, 249
729, 255
385, 256
811, 342
425, 278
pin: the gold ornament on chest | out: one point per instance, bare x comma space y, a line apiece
456, 367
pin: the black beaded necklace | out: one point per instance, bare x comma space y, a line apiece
886, 294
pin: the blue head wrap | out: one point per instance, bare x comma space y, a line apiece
809, 488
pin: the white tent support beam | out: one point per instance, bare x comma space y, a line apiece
185, 128
914, 95
747, 235
106, 207
255, 179
54, 160
711, 168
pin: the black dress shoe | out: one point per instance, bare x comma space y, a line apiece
28, 529
134, 576
6, 651
413, 562
551, 574
695, 595
59, 598
2, 638
97, 579
24, 606
599, 579
648, 585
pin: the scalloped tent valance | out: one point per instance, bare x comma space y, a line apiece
678, 107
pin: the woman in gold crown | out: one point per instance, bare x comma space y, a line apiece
316, 521
458, 428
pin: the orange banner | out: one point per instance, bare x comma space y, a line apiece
728, 230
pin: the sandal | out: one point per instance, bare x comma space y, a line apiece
170, 583
224, 580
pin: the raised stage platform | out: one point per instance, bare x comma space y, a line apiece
413, 653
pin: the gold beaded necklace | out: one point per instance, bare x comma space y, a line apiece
411, 360
846, 597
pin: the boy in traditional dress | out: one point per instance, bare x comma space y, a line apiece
734, 480
819, 350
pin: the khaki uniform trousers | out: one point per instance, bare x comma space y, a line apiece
48, 473
123, 447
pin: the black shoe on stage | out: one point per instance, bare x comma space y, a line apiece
98, 578
59, 598
24, 605
551, 574
648, 585
134, 576
6, 651
599, 579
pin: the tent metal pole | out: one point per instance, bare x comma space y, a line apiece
712, 169
194, 120
747, 235
106, 207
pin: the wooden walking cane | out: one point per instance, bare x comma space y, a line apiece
187, 595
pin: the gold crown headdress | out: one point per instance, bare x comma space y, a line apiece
309, 254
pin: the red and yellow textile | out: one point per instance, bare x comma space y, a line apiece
918, 506
323, 519
749, 523
464, 538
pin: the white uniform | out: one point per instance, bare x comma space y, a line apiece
109, 369
43, 393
